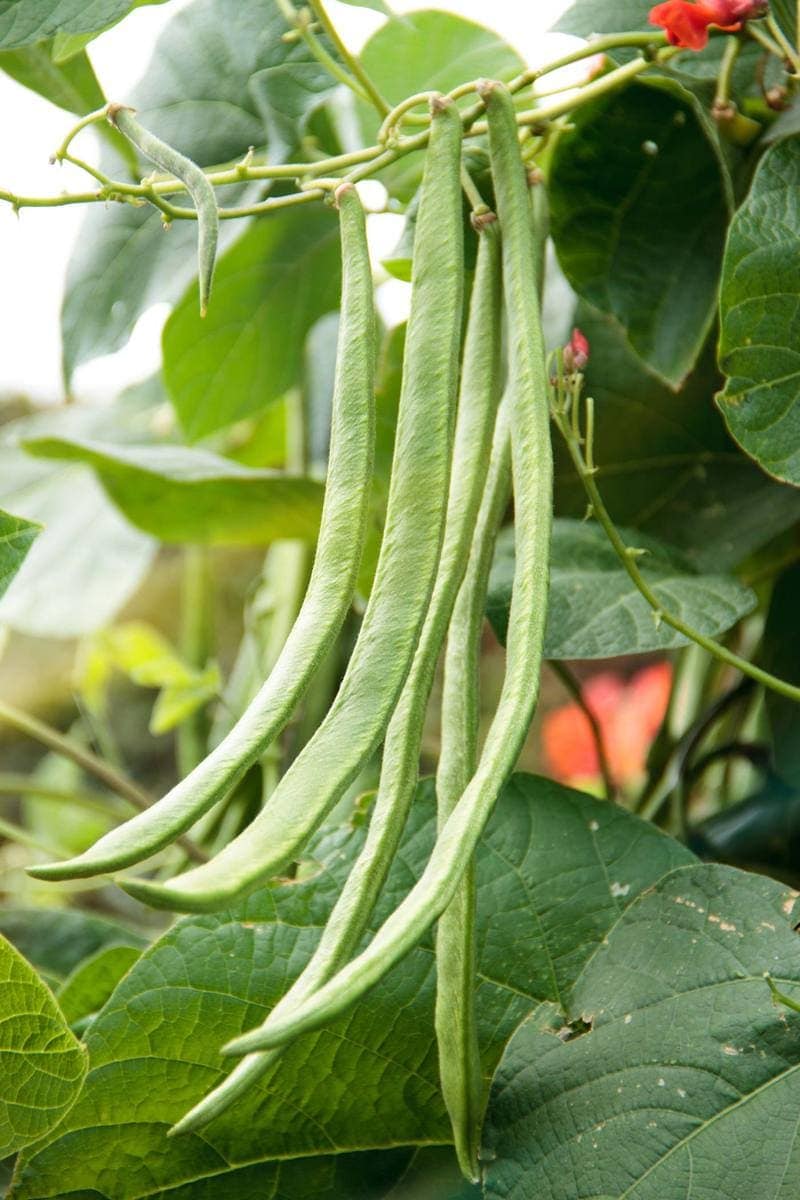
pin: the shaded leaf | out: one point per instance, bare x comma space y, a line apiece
71, 85
595, 611
42, 1064
666, 464
195, 95
270, 288
760, 317
85, 564
185, 495
688, 1068
555, 869
642, 238
57, 940
23, 22
86, 990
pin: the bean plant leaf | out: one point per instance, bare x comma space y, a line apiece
687, 1082
595, 610
269, 289
16, 538
23, 22
43, 1065
760, 317
56, 940
190, 495
665, 462
555, 869
642, 238
428, 51
86, 990
586, 17
196, 95
71, 85
85, 564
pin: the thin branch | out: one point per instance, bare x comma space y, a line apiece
353, 64
574, 689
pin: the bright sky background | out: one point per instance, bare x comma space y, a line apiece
35, 247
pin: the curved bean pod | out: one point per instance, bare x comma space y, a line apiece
382, 657
477, 407
533, 485
456, 1026
197, 185
328, 598
456, 1032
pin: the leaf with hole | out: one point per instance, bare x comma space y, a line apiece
686, 1066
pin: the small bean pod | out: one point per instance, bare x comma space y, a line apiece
533, 481
197, 185
477, 408
328, 598
404, 579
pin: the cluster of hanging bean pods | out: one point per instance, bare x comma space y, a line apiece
458, 449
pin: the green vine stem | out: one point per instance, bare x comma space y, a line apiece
353, 64
26, 785
197, 618
370, 160
301, 25
628, 556
67, 747
789, 52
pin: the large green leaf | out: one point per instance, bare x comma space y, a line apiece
555, 869
86, 990
759, 305
428, 51
196, 95
687, 1083
23, 22
72, 85
595, 611
586, 17
42, 1065
269, 289
185, 495
638, 218
665, 462
16, 539
85, 564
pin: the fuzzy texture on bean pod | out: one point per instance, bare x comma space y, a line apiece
328, 598
197, 185
533, 487
417, 504
456, 1027
477, 408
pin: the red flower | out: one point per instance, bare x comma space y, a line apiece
629, 714
687, 24
576, 352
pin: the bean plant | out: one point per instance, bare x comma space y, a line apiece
314, 931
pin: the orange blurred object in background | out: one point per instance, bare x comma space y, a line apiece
629, 712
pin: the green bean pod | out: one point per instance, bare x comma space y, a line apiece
197, 185
456, 1027
533, 484
477, 407
328, 598
417, 504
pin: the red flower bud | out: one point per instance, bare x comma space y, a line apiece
687, 24
576, 352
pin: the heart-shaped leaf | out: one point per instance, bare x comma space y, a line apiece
16, 538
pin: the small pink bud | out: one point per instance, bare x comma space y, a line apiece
576, 352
